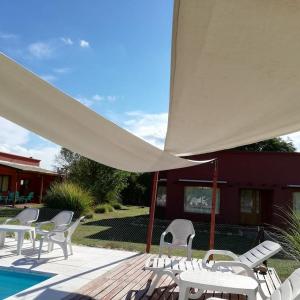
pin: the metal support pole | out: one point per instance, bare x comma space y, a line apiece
213, 207
41, 189
16, 189
152, 211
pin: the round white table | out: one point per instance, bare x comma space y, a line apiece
20, 230
217, 281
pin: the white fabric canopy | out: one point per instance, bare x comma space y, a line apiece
36, 105
235, 75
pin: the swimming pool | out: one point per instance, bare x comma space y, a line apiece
12, 281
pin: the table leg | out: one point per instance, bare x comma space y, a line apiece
33, 236
183, 292
20, 242
252, 295
2, 238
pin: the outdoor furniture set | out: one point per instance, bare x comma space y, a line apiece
10, 197
60, 232
236, 276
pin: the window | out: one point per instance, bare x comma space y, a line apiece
161, 196
296, 202
198, 200
4, 180
250, 201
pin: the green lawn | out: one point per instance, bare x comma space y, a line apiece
126, 229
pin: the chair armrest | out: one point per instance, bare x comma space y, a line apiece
162, 238
9, 220
219, 252
191, 240
248, 270
40, 224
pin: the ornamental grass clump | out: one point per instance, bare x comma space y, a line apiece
103, 208
289, 237
69, 196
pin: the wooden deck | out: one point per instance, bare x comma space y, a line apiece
130, 281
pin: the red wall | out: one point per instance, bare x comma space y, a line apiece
34, 181
269, 172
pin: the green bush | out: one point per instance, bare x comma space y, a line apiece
116, 205
69, 196
103, 208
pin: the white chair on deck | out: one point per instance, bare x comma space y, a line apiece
61, 237
289, 289
182, 232
59, 222
26, 217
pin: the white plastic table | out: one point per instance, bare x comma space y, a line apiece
20, 230
217, 281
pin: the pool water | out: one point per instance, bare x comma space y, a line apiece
12, 282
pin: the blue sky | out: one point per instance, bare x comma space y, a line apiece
113, 56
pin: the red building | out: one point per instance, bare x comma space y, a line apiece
251, 188
22, 179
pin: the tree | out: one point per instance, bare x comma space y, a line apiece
105, 183
276, 145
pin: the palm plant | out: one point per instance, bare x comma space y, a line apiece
289, 237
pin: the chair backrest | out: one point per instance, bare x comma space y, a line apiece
28, 216
62, 218
289, 289
73, 227
181, 229
257, 255
30, 195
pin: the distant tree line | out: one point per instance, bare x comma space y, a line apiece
105, 183
109, 185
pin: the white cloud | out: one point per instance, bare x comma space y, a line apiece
111, 98
85, 101
295, 138
62, 70
7, 36
12, 134
15, 139
49, 77
67, 41
40, 50
84, 44
98, 97
150, 127
90, 101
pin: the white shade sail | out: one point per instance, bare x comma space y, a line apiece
235, 75
34, 104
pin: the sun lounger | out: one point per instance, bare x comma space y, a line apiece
245, 262
289, 289
242, 264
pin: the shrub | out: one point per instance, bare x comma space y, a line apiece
116, 205
103, 208
289, 237
67, 195
89, 215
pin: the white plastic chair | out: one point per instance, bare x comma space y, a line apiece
182, 232
62, 237
26, 217
288, 290
59, 222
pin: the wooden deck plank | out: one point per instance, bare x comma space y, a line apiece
129, 281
